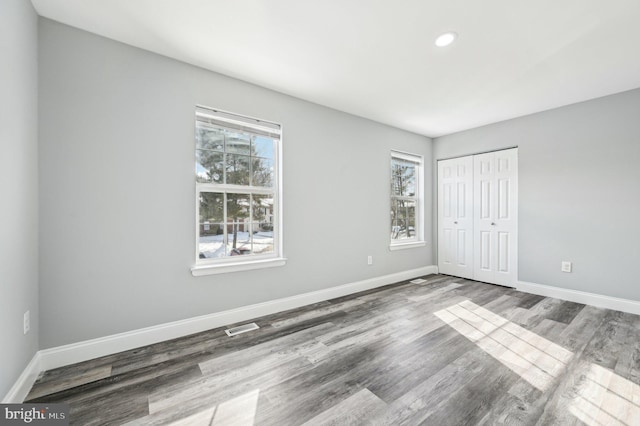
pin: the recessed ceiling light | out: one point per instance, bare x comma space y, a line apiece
446, 39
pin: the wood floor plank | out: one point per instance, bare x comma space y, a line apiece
227, 370
417, 365
423, 398
70, 381
358, 409
575, 338
565, 312
287, 346
142, 381
607, 343
628, 363
526, 300
203, 394
539, 312
434, 293
104, 410
473, 400
331, 382
500, 304
319, 312
518, 406
523, 402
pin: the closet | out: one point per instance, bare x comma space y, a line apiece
478, 218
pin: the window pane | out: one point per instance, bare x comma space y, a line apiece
395, 225
262, 238
211, 247
263, 211
208, 228
263, 147
211, 207
261, 171
237, 207
209, 138
406, 209
403, 220
238, 143
237, 169
209, 166
211, 231
239, 239
403, 178
407, 213
411, 227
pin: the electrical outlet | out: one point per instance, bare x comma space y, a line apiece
565, 266
369, 260
26, 322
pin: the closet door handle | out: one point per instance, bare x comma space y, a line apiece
493, 224
455, 223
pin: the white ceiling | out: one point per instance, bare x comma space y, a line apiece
376, 58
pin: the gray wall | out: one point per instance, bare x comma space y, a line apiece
579, 172
117, 190
18, 186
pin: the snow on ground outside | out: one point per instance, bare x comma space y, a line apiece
212, 246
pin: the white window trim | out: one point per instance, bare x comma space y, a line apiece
418, 240
226, 265
209, 269
404, 246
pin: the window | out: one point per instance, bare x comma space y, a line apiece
237, 193
407, 222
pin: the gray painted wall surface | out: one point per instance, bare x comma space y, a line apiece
579, 172
19, 187
117, 191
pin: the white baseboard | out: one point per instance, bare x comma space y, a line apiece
22, 386
598, 300
89, 349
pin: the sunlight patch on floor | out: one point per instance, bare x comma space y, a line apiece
239, 411
536, 359
605, 398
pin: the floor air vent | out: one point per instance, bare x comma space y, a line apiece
418, 281
241, 329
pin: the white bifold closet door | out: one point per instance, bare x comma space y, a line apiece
495, 219
477, 217
455, 217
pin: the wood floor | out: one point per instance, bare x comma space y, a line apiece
444, 352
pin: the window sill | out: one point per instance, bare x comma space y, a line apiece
201, 270
403, 246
